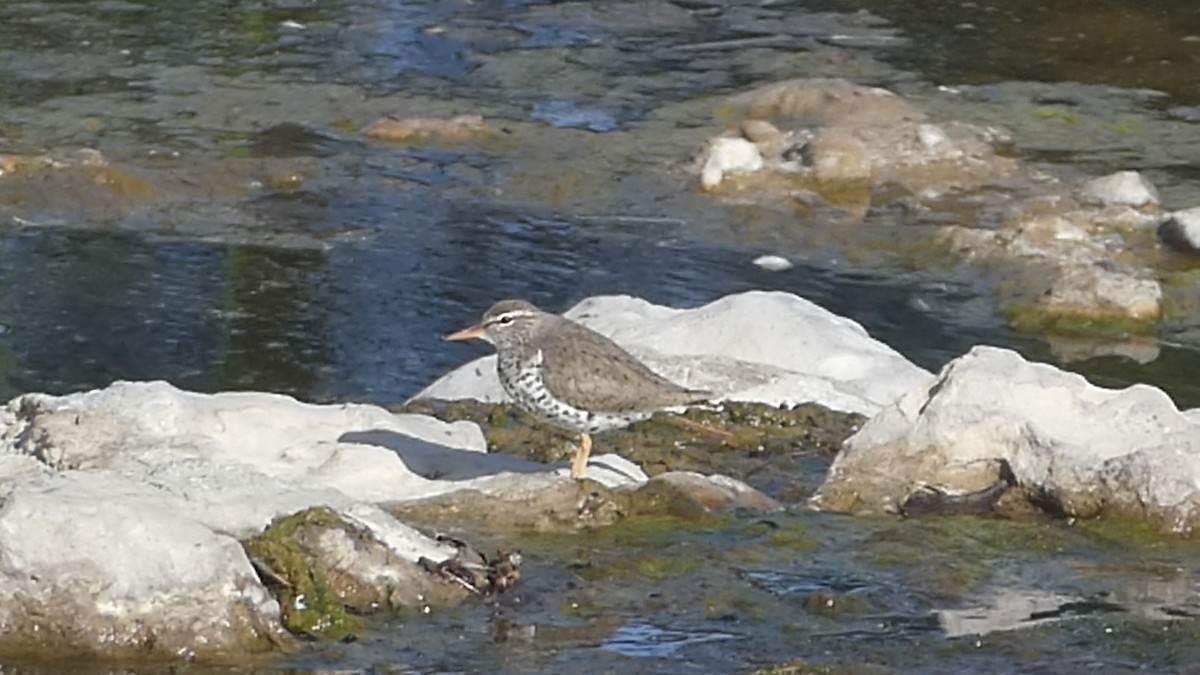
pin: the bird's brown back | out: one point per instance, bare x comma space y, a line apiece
591, 372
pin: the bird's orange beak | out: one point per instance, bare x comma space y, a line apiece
475, 331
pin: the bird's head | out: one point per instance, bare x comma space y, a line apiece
509, 323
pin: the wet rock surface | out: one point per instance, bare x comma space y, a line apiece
1075, 261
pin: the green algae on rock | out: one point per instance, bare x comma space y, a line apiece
328, 573
754, 442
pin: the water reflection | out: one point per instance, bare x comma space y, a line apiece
642, 639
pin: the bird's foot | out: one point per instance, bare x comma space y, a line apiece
579, 462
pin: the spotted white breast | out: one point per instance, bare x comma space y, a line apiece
522, 379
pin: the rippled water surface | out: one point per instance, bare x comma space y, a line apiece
257, 241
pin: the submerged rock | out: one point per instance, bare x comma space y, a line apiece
453, 130
1078, 449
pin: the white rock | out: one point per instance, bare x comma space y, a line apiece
726, 155
773, 263
103, 560
1087, 448
120, 508
1181, 229
934, 139
770, 347
1126, 188
1103, 292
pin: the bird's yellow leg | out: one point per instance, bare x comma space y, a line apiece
579, 464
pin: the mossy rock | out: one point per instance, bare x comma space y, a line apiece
328, 573
757, 443
1051, 321
310, 599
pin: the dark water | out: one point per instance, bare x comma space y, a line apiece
100, 294
280, 251
362, 321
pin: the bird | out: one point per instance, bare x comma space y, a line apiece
571, 377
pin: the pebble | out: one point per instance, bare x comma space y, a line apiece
773, 263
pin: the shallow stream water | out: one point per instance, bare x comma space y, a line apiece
277, 249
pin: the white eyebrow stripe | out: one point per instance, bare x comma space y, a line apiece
514, 314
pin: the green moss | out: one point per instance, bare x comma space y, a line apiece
1035, 319
310, 604
657, 569
644, 529
947, 557
738, 439
1057, 114
1128, 125
792, 536
1138, 534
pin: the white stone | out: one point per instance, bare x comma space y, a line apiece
99, 558
1181, 229
934, 139
1126, 188
121, 508
770, 347
729, 155
1085, 447
773, 263
1103, 292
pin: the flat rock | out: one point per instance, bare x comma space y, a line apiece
1102, 293
769, 347
1087, 450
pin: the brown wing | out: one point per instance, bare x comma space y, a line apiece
589, 371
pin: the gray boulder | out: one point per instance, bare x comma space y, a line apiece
1087, 450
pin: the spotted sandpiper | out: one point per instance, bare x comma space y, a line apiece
570, 376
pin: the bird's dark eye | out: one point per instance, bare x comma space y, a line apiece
504, 320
